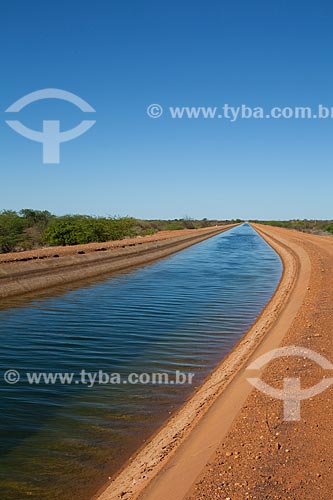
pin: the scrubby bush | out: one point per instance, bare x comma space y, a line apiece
30, 228
305, 225
11, 230
77, 229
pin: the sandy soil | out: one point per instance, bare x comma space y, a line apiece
263, 456
230, 441
61, 251
25, 272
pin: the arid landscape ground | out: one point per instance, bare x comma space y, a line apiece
263, 456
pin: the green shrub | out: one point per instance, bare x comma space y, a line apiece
11, 230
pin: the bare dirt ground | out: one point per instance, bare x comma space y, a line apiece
263, 456
230, 441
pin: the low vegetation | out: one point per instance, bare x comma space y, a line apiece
305, 225
29, 229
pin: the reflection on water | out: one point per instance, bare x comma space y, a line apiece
181, 313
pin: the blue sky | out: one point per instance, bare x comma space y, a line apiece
121, 56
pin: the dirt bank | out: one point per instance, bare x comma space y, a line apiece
230, 441
263, 456
25, 272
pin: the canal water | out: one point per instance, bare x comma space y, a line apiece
185, 312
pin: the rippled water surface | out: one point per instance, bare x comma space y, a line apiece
61, 442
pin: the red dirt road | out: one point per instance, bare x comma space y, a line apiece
263, 456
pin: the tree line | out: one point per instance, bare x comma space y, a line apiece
29, 229
304, 225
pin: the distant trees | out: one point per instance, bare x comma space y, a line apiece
31, 228
11, 230
77, 229
174, 225
36, 217
304, 225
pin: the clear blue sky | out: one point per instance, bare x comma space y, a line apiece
121, 56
